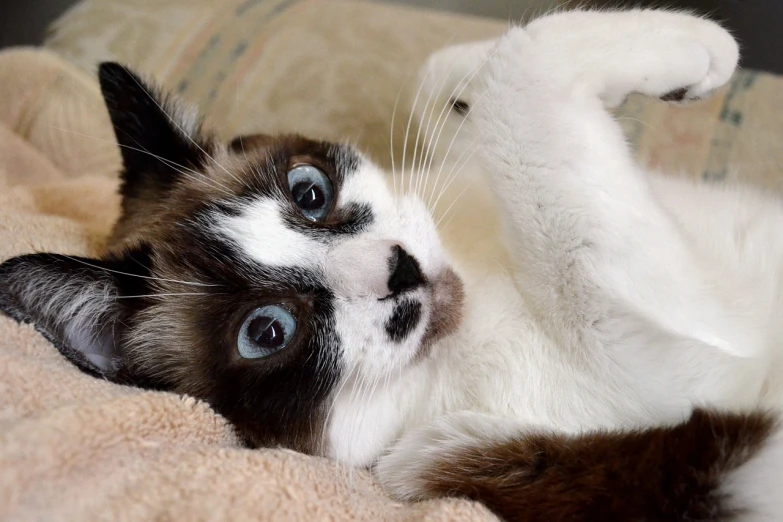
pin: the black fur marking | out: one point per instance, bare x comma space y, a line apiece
405, 272
269, 181
154, 150
460, 107
167, 248
675, 95
352, 219
279, 400
404, 320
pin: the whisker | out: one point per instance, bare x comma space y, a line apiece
162, 295
446, 155
408, 130
433, 96
442, 119
461, 124
453, 174
182, 169
197, 176
391, 137
446, 213
139, 276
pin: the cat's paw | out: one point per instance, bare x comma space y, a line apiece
709, 50
412, 468
670, 55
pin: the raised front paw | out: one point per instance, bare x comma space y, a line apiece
425, 461
710, 55
671, 55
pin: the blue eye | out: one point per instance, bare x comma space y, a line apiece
311, 190
266, 331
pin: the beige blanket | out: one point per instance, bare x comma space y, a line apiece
77, 448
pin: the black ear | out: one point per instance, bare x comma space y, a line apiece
81, 305
159, 139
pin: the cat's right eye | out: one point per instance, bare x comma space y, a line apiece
311, 190
266, 331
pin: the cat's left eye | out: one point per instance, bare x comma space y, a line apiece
266, 331
311, 190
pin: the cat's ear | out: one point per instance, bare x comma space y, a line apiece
79, 304
160, 140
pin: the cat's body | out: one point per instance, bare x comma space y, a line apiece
623, 295
282, 281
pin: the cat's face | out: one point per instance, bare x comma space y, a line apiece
269, 276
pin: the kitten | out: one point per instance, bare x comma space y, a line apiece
591, 341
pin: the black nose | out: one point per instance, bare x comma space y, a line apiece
405, 272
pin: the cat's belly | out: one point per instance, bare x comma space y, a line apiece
503, 363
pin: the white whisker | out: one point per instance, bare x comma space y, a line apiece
459, 128
453, 174
161, 295
442, 119
174, 165
137, 275
446, 213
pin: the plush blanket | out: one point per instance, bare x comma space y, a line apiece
73, 447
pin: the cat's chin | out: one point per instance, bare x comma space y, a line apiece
448, 300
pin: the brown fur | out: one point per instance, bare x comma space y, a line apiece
183, 354
658, 474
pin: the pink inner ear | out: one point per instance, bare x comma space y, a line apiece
96, 345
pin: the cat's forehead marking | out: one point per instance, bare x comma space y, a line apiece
368, 187
261, 232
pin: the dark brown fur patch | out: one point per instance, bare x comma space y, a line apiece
676, 95
657, 474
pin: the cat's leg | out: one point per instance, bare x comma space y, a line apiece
597, 257
726, 464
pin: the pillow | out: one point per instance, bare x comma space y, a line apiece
334, 69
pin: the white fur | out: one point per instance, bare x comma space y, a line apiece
404, 471
598, 294
264, 236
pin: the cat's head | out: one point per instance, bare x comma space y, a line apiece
266, 276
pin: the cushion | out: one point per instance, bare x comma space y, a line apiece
334, 69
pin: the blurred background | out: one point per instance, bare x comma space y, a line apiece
757, 23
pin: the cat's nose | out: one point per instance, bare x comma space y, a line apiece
405, 271
364, 268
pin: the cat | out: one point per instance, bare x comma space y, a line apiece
585, 341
